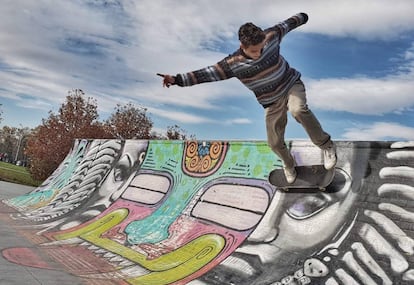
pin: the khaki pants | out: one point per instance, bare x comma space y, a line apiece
276, 120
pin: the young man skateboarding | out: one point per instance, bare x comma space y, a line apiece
277, 86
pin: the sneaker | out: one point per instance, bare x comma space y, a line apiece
290, 174
329, 157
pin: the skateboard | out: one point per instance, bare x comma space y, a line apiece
311, 178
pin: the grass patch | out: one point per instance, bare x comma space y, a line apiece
16, 174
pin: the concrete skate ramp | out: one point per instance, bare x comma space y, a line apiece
203, 212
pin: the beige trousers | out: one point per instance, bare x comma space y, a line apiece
276, 120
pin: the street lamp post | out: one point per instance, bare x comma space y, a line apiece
19, 142
18, 147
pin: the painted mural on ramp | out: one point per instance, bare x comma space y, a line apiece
202, 212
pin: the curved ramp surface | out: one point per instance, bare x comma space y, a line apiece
203, 212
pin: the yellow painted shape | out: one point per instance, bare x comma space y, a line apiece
167, 268
102, 225
186, 260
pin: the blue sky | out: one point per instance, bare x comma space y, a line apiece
356, 58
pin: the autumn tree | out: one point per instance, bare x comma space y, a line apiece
77, 118
129, 122
53, 139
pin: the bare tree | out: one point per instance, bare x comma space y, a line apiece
177, 133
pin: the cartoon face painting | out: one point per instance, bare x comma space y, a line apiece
203, 212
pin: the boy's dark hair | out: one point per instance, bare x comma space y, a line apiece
250, 34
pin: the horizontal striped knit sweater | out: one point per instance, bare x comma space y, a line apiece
269, 77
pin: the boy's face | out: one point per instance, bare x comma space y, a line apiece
253, 51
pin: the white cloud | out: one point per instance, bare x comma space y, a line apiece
363, 19
379, 131
367, 96
113, 51
180, 116
239, 121
203, 21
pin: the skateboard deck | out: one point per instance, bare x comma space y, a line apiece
310, 178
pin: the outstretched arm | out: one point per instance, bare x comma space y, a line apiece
219, 71
289, 24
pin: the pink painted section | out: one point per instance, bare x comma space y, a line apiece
184, 230
27, 257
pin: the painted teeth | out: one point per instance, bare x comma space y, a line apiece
129, 272
126, 263
116, 259
239, 264
111, 257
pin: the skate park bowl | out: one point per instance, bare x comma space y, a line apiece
203, 212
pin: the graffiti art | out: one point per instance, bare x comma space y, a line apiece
203, 213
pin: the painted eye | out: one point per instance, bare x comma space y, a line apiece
341, 181
236, 206
123, 168
148, 188
306, 206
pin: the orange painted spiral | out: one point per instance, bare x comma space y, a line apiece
205, 164
215, 150
192, 149
193, 164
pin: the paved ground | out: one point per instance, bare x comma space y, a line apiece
14, 274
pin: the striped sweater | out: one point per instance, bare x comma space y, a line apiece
269, 77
